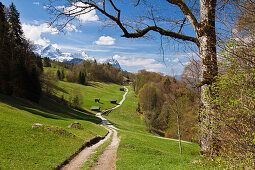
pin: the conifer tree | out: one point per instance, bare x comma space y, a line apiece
46, 62
4, 53
81, 78
58, 75
16, 32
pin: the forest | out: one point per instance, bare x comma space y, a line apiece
20, 67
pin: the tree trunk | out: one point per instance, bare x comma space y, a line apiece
179, 133
209, 69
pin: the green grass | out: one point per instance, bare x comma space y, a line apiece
99, 151
24, 147
140, 150
87, 94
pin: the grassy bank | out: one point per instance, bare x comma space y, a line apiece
140, 150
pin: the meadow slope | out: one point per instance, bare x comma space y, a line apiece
24, 147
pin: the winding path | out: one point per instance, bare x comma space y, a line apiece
107, 161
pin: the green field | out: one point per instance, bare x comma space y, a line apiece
140, 150
24, 147
87, 94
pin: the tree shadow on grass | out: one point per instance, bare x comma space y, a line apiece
48, 108
94, 84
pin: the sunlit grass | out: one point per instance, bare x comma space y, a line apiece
140, 150
87, 94
24, 147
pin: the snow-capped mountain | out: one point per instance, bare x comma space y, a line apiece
55, 54
82, 55
113, 62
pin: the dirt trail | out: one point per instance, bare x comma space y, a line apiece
107, 160
83, 156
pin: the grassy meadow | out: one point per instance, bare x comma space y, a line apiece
87, 94
139, 149
45, 147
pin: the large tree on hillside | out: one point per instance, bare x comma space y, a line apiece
160, 17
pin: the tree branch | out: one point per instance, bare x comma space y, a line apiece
187, 12
137, 33
172, 34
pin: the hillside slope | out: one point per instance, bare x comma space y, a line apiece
24, 147
87, 94
140, 150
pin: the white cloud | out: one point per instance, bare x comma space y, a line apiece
154, 66
71, 27
75, 48
117, 57
176, 60
185, 63
36, 3
86, 14
33, 32
105, 40
56, 46
134, 61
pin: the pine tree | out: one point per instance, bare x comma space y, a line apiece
81, 78
46, 62
58, 75
25, 68
16, 32
4, 53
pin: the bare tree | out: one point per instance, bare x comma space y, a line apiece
160, 17
176, 109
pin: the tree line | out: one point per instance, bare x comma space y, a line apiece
20, 67
85, 71
163, 100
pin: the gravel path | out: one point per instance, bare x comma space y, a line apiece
83, 156
107, 160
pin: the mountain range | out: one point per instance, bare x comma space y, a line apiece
54, 53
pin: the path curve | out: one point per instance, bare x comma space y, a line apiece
108, 159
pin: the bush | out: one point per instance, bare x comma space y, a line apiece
235, 114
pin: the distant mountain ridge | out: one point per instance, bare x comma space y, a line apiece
55, 54
70, 58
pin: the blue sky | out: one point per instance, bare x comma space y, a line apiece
88, 35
